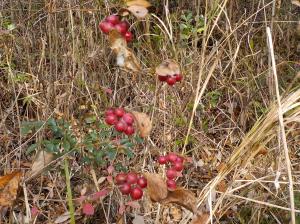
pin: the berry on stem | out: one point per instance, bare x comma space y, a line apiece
171, 81
142, 182
121, 28
119, 112
121, 178
129, 130
171, 184
113, 19
131, 178
128, 36
106, 27
120, 126
172, 157
111, 119
128, 118
171, 173
136, 193
125, 188
163, 78
125, 24
162, 160
178, 77
178, 166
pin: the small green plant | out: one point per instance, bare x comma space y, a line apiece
99, 144
190, 25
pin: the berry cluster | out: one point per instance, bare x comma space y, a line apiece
113, 22
122, 121
176, 167
170, 79
131, 184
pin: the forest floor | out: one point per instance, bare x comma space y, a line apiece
234, 118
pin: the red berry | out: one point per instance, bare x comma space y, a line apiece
179, 159
131, 178
125, 24
121, 178
128, 36
142, 182
172, 157
111, 119
136, 193
121, 28
113, 19
128, 118
125, 188
106, 27
109, 111
171, 173
162, 160
119, 112
178, 166
163, 78
178, 77
129, 130
171, 81
120, 126
171, 184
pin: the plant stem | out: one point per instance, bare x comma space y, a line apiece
69, 193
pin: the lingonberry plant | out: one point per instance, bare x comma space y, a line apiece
175, 166
121, 120
113, 22
131, 184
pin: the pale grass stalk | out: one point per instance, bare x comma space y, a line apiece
260, 202
282, 129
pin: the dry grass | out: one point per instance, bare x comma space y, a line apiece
224, 115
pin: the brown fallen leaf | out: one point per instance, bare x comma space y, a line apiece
182, 197
200, 218
41, 160
9, 185
139, 12
138, 8
156, 187
125, 58
167, 67
143, 122
143, 3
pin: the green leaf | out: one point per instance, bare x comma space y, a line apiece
139, 140
66, 145
25, 129
111, 153
129, 153
50, 147
90, 120
128, 145
31, 148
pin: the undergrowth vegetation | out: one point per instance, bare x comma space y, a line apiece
171, 112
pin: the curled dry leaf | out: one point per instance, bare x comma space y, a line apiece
125, 57
42, 159
138, 8
143, 122
182, 197
167, 67
143, 3
200, 219
139, 12
157, 188
9, 185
